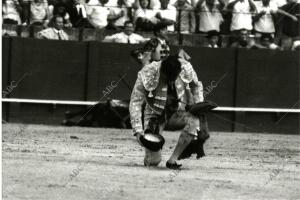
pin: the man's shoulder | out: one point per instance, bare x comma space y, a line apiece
46, 33
150, 70
151, 67
136, 35
150, 75
120, 34
47, 30
65, 34
187, 73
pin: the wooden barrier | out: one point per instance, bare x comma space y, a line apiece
237, 80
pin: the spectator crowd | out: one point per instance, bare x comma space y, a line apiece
273, 24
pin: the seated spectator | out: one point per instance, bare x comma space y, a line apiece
39, 15
242, 11
120, 14
263, 20
166, 14
145, 19
55, 30
128, 36
78, 15
290, 26
212, 39
243, 40
185, 17
267, 41
61, 10
11, 12
210, 15
98, 13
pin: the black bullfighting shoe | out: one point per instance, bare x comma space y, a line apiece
173, 165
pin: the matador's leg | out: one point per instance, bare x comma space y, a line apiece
190, 125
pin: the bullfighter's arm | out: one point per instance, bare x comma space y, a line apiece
197, 89
135, 107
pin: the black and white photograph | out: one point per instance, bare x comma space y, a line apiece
150, 100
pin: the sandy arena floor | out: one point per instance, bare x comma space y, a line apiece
45, 162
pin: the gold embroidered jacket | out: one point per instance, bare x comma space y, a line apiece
150, 89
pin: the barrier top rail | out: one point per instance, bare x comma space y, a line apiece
89, 103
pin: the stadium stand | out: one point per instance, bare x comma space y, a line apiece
192, 18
